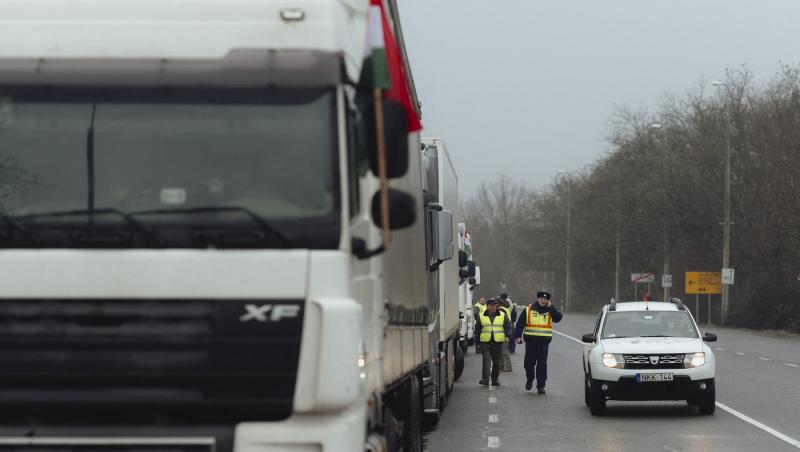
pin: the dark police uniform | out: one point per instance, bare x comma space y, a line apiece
535, 326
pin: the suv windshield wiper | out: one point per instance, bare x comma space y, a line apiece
99, 239
226, 237
657, 335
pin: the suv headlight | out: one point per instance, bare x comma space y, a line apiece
694, 359
613, 360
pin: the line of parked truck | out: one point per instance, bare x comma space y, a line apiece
191, 246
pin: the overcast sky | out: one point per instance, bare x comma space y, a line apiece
527, 87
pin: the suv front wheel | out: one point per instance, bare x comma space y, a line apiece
597, 400
707, 400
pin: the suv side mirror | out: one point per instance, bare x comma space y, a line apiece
402, 209
710, 337
395, 133
589, 338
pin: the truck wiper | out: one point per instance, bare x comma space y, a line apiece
99, 238
226, 237
15, 225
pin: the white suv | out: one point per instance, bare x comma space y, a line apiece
648, 350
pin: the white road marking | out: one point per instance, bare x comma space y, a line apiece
491, 388
721, 349
764, 359
671, 449
740, 353
494, 418
730, 410
568, 337
494, 442
766, 428
492, 399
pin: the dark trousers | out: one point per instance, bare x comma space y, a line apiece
492, 359
536, 360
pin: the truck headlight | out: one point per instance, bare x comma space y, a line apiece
613, 360
694, 359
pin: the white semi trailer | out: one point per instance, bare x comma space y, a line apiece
469, 279
190, 250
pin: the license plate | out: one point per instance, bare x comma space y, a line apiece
648, 378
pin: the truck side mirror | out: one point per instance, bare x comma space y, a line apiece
445, 235
395, 133
471, 268
402, 209
462, 258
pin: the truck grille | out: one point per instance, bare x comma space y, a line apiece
145, 360
673, 361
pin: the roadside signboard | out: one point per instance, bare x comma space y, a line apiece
666, 280
643, 278
709, 283
727, 276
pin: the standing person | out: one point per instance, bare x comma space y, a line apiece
494, 329
478, 309
507, 308
512, 344
536, 326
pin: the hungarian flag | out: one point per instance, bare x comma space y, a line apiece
387, 66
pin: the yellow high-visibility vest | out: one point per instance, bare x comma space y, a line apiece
492, 329
537, 324
506, 310
481, 308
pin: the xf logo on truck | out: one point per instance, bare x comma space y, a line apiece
269, 312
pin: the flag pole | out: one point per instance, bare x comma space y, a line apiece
384, 184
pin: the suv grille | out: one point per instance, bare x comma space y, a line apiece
672, 361
139, 360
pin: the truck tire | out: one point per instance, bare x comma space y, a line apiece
597, 400
412, 417
458, 368
707, 401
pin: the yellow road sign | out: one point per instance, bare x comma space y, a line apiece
703, 283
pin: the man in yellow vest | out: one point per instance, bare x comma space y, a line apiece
510, 311
478, 309
536, 327
493, 329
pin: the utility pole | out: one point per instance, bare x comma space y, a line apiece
567, 281
664, 152
726, 226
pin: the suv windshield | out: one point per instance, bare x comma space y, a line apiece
164, 165
648, 324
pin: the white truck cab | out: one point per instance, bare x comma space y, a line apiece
648, 351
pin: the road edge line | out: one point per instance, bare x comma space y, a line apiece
766, 428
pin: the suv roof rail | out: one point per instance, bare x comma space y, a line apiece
612, 304
677, 301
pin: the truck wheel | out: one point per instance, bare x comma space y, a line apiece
587, 382
412, 417
707, 401
458, 369
597, 400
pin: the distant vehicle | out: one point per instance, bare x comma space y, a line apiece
648, 351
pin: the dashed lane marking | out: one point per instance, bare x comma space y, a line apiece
722, 406
491, 388
764, 427
792, 365
721, 349
494, 418
764, 359
740, 353
492, 399
494, 442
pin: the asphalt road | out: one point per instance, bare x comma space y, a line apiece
758, 404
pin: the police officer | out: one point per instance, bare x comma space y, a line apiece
536, 327
510, 312
478, 309
493, 330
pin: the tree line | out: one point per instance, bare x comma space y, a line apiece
658, 190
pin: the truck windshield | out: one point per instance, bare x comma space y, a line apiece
167, 167
648, 324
